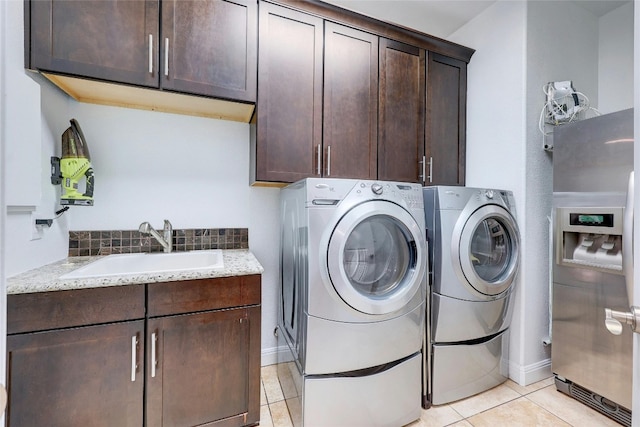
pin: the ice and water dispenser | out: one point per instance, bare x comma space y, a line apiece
590, 237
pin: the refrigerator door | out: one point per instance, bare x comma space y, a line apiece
592, 163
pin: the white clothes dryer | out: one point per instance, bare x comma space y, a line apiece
474, 256
353, 291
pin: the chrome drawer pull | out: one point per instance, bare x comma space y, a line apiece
154, 357
134, 353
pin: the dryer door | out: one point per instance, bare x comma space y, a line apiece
485, 250
377, 257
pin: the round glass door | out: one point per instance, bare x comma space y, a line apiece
376, 257
489, 250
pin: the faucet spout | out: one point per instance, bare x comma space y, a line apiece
166, 239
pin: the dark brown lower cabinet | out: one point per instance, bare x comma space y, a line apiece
90, 376
163, 354
199, 368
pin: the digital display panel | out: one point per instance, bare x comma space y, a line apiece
591, 220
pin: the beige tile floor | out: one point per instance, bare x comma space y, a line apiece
508, 404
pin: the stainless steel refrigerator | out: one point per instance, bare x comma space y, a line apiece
593, 260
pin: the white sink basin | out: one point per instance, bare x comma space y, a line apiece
144, 263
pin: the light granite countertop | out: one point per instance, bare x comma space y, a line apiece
237, 262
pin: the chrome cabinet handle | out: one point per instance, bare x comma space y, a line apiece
423, 162
134, 354
318, 154
430, 169
150, 53
166, 56
154, 357
328, 160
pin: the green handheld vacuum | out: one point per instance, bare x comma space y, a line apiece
74, 164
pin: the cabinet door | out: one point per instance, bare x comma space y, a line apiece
90, 376
200, 370
209, 47
446, 120
113, 40
289, 109
401, 116
350, 103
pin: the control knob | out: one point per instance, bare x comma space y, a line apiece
376, 188
489, 194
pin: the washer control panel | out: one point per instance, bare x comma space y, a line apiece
331, 192
410, 193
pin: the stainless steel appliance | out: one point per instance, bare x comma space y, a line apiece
354, 263
592, 163
474, 254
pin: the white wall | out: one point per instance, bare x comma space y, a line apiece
35, 117
3, 245
615, 62
496, 123
516, 53
548, 60
194, 171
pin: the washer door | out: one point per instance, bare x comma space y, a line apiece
377, 257
486, 250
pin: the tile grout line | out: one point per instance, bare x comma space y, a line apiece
546, 410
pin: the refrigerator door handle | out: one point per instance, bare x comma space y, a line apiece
627, 239
614, 319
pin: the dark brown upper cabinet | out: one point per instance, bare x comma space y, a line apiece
288, 118
360, 108
110, 40
350, 111
209, 48
446, 120
401, 116
198, 47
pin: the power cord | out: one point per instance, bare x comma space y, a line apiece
61, 211
564, 105
48, 222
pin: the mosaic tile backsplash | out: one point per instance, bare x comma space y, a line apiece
83, 243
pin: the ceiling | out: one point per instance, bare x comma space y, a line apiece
441, 18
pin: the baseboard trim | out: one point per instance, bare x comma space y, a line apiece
271, 356
529, 374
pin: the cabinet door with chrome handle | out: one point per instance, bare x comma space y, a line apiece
210, 48
401, 112
107, 40
79, 376
350, 102
446, 120
197, 367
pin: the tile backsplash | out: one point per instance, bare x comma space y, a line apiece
83, 243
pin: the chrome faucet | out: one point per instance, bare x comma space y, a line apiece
166, 240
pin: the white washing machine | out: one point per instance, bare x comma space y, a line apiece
354, 265
474, 248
